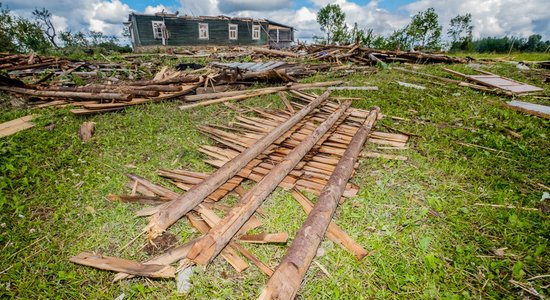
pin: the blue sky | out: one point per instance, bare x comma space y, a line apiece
490, 17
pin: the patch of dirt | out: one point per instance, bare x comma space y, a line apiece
42, 213
160, 244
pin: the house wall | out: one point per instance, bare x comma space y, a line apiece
184, 32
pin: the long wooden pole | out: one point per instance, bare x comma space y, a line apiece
167, 216
298, 86
204, 251
71, 95
285, 282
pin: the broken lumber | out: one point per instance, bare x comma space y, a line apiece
167, 216
220, 235
124, 265
286, 280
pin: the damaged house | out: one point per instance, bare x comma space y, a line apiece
171, 30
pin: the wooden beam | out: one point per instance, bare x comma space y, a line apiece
286, 280
220, 235
167, 216
334, 233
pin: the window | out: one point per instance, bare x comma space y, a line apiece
203, 31
158, 29
256, 32
233, 31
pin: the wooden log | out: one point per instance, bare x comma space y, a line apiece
286, 280
98, 89
178, 208
178, 79
280, 88
219, 236
229, 253
123, 265
273, 52
34, 66
70, 95
334, 232
86, 131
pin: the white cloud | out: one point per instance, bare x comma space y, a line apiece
156, 9
200, 8
490, 17
494, 17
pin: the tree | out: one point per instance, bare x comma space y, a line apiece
460, 32
20, 35
332, 21
44, 19
424, 30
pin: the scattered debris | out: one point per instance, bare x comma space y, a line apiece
302, 150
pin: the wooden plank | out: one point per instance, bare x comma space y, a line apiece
16, 125
538, 110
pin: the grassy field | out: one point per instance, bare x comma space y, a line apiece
53, 192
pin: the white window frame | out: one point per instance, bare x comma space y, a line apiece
256, 32
233, 28
157, 29
203, 32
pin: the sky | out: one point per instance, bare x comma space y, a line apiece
490, 17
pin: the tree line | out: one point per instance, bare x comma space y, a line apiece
424, 32
38, 34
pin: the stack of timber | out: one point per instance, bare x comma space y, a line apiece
313, 146
23, 65
369, 56
96, 98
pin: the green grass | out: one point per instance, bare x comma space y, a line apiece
515, 56
53, 192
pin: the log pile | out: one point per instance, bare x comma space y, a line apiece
23, 65
369, 56
313, 146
